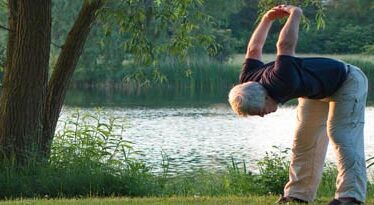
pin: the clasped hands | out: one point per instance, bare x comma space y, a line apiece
281, 11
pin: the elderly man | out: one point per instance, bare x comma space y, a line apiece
332, 97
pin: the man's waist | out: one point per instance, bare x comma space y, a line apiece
347, 68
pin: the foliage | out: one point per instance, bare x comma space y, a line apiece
94, 142
349, 29
89, 157
145, 32
274, 170
224, 26
198, 75
346, 27
190, 200
308, 5
327, 185
91, 139
154, 28
369, 49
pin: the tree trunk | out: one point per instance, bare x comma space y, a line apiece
65, 66
29, 105
11, 37
22, 100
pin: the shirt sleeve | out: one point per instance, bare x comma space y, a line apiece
248, 67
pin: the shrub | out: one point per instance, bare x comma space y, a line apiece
274, 171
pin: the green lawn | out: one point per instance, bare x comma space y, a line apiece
233, 200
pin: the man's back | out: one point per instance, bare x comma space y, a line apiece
291, 77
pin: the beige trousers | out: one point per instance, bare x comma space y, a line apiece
340, 119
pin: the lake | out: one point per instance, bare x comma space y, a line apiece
209, 136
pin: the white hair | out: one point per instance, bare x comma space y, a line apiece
247, 97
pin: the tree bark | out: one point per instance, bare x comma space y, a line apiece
22, 100
12, 20
64, 68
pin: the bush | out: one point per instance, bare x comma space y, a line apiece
89, 157
274, 171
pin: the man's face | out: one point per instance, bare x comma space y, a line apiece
269, 107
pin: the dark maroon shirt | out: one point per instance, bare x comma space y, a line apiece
291, 77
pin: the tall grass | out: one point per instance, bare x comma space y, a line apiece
90, 158
197, 78
184, 78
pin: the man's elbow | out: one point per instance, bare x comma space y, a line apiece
285, 47
254, 52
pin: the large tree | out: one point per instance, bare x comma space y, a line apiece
31, 102
29, 105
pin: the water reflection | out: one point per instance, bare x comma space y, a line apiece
152, 97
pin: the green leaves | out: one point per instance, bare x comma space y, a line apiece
274, 170
311, 5
95, 141
152, 29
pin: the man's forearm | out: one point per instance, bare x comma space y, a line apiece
257, 41
288, 36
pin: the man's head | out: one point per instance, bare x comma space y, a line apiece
251, 98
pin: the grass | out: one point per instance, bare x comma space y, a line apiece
223, 200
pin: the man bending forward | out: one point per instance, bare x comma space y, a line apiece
332, 97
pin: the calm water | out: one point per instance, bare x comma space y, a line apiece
208, 137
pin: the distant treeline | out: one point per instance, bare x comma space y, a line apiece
349, 29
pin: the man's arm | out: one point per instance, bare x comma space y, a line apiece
288, 36
255, 45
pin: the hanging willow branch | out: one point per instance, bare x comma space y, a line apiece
5, 28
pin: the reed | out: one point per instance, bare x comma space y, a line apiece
194, 80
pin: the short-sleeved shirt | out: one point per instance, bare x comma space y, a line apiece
291, 77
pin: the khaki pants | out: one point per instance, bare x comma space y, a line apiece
340, 119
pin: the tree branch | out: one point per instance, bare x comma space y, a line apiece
65, 66
5, 28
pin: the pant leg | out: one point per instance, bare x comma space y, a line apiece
309, 149
345, 127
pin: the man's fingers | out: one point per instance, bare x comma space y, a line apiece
279, 11
280, 6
